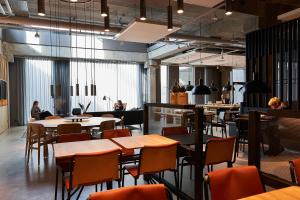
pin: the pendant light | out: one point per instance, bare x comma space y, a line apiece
91, 63
189, 87
58, 89
51, 53
228, 7
201, 89
77, 83
106, 21
143, 16
71, 56
170, 17
180, 5
41, 8
104, 10
256, 86
94, 63
86, 87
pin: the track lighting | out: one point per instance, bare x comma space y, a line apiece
104, 8
41, 8
180, 9
143, 10
228, 7
106, 21
170, 18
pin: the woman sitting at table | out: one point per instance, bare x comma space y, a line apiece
36, 112
119, 106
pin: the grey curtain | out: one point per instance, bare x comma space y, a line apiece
17, 92
62, 82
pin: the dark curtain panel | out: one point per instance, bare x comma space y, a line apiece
17, 91
62, 87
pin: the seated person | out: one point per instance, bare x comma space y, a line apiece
36, 112
119, 106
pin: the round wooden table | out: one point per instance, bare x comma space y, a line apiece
86, 123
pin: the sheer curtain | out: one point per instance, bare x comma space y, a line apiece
116, 80
38, 78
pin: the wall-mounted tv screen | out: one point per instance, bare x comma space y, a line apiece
3, 90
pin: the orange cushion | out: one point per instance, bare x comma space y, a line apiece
133, 170
144, 192
235, 183
296, 165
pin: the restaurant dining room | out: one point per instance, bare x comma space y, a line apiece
149, 99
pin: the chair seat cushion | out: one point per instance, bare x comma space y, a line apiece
133, 170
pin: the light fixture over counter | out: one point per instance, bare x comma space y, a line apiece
143, 10
228, 7
170, 17
41, 8
180, 5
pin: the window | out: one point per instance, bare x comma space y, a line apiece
38, 78
116, 81
186, 74
164, 84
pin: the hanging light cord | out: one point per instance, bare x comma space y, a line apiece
91, 41
70, 40
76, 39
85, 46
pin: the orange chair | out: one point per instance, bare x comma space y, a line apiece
144, 192
180, 130
108, 115
53, 117
73, 137
217, 150
234, 183
154, 159
68, 128
89, 169
295, 171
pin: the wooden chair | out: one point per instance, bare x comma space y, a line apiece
37, 136
154, 159
144, 192
52, 117
108, 115
234, 183
295, 171
85, 115
216, 151
223, 118
68, 128
168, 131
92, 169
107, 125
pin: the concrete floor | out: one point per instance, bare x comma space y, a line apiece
19, 181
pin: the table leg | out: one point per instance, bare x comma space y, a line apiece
56, 184
109, 185
46, 151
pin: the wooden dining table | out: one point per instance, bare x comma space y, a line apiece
289, 193
137, 142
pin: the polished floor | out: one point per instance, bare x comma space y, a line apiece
19, 181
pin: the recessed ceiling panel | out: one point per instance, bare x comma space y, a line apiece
145, 32
204, 3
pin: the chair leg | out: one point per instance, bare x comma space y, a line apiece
39, 154
96, 187
176, 183
79, 193
135, 181
181, 176
28, 153
56, 184
101, 187
191, 171
206, 191
63, 187
123, 177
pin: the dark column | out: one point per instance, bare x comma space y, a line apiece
199, 73
173, 76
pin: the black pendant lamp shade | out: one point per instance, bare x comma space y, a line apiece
41, 8
143, 14
227, 87
180, 8
71, 90
92, 89
104, 10
106, 21
95, 90
201, 89
86, 90
52, 90
77, 89
189, 87
213, 87
170, 18
256, 86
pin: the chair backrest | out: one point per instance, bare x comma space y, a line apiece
94, 168
295, 171
168, 131
85, 115
235, 183
73, 137
158, 158
145, 192
220, 150
69, 128
107, 125
109, 134
53, 117
36, 131
208, 118
108, 115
